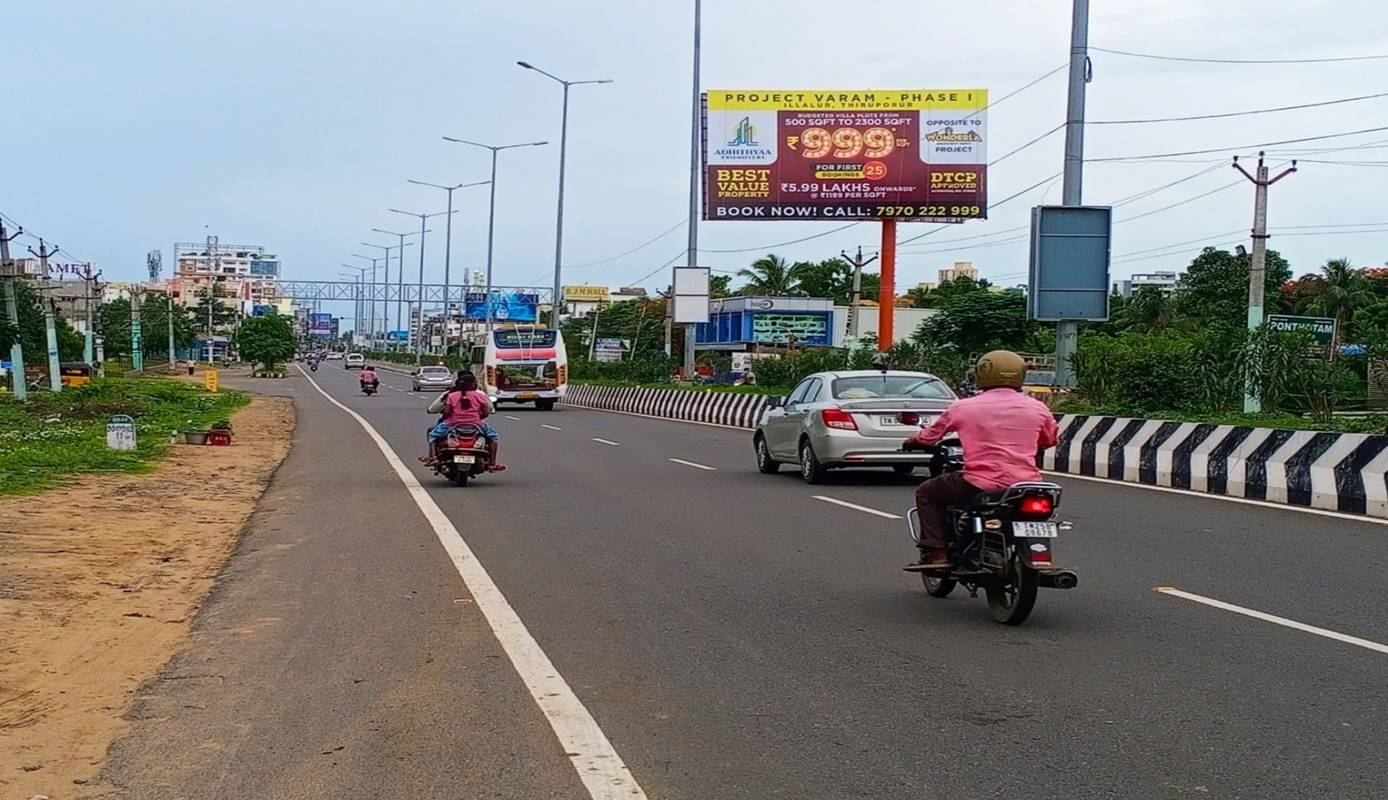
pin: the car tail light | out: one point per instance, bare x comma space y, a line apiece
909, 418
1037, 505
836, 418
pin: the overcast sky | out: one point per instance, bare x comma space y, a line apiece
294, 123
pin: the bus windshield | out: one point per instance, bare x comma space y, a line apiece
514, 338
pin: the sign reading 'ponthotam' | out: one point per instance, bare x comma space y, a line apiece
905, 154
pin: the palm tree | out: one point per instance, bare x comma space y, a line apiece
769, 275
1343, 290
1148, 310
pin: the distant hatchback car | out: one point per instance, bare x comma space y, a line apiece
354, 361
833, 420
334, 355
432, 377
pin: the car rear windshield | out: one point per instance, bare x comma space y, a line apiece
868, 387
433, 371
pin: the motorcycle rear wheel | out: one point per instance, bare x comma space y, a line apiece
458, 475
938, 585
1012, 596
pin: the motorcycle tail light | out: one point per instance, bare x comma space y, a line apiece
1037, 505
836, 418
909, 418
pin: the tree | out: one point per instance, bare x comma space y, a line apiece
720, 286
977, 321
115, 320
223, 315
32, 334
1215, 286
267, 340
769, 275
1343, 289
1149, 310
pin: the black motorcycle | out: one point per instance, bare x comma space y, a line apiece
1002, 543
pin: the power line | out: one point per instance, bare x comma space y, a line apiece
1018, 91
1149, 192
1239, 60
1236, 113
1178, 203
1012, 153
1236, 148
676, 257
783, 244
644, 244
991, 206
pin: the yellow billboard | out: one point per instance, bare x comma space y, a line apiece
586, 294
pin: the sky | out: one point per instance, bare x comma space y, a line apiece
295, 124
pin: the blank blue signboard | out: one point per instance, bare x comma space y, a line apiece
1069, 263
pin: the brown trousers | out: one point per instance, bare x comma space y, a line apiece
932, 498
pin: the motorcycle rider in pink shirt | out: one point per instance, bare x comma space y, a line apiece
1001, 430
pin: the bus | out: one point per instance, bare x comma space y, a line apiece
522, 364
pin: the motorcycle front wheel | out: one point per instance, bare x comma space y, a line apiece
1012, 594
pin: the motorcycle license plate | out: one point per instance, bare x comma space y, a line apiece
463, 459
1036, 530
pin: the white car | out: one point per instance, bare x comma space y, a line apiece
354, 361
334, 355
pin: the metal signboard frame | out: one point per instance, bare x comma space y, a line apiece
1071, 247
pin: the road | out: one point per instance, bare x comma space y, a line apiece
734, 635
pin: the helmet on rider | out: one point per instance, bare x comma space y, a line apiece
1000, 368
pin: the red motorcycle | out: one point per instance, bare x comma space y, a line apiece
461, 455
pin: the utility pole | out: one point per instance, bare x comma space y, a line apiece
212, 266
695, 140
50, 322
88, 338
1067, 332
172, 358
1258, 263
137, 343
853, 313
18, 382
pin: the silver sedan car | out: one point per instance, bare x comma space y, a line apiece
431, 377
849, 419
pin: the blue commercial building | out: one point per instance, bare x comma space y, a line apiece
739, 323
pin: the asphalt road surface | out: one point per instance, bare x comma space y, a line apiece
737, 635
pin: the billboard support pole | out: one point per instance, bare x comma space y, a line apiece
886, 293
694, 170
1067, 331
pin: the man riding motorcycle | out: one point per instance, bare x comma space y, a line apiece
1001, 430
369, 378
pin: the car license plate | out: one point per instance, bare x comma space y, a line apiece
1036, 530
464, 459
527, 396
891, 421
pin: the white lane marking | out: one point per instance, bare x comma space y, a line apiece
607, 441
1276, 620
856, 507
1321, 512
592, 756
692, 464
513, 419
552, 427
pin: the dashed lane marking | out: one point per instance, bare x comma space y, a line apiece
856, 507
1274, 619
692, 464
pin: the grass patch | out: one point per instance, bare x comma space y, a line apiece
56, 435
744, 389
1370, 423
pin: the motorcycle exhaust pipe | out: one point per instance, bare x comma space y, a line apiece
1058, 579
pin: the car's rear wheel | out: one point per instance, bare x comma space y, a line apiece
811, 471
766, 465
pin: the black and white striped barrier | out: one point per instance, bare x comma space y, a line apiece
1317, 469
690, 405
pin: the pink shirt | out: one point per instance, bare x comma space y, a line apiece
367, 376
1001, 431
455, 414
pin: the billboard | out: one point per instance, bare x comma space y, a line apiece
506, 306
320, 325
1321, 328
586, 294
1069, 270
906, 154
265, 267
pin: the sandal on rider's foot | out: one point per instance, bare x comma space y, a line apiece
496, 468
930, 561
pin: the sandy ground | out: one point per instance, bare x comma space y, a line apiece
99, 583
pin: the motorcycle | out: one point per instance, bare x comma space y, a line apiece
1002, 543
461, 454
313, 366
369, 389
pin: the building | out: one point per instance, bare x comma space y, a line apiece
248, 275
1165, 282
960, 269
585, 299
741, 323
905, 321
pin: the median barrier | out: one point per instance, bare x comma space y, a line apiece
1345, 472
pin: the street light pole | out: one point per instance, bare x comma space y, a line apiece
370, 295
557, 301
399, 275
447, 248
491, 213
418, 336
